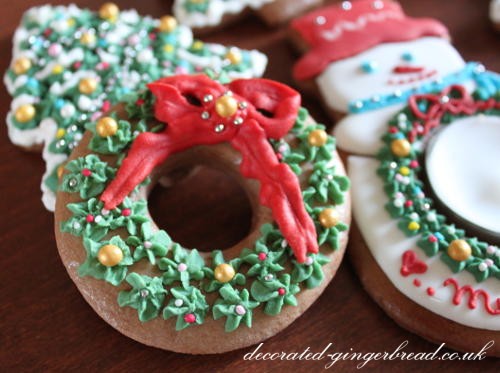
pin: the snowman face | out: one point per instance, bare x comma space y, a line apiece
386, 69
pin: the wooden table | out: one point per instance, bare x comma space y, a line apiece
45, 325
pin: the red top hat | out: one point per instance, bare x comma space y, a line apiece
346, 29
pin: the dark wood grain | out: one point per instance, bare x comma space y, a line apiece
45, 325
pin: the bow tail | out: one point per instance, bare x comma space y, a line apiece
280, 189
147, 151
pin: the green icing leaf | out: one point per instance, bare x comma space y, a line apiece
235, 305
189, 305
149, 244
218, 258
92, 267
146, 296
183, 266
88, 220
275, 293
311, 271
111, 144
87, 175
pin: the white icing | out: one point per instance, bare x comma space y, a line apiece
215, 11
495, 11
361, 133
460, 170
344, 81
387, 244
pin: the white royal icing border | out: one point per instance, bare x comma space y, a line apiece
387, 244
217, 9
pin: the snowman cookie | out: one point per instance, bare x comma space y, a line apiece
70, 65
208, 15
421, 129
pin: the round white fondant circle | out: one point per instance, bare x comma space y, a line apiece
462, 167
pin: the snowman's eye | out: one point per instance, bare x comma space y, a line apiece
408, 57
369, 67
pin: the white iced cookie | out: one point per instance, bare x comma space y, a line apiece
495, 11
198, 14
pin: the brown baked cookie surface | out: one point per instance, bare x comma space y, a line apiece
209, 15
408, 106
161, 294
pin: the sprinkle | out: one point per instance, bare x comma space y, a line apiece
182, 267
178, 302
240, 310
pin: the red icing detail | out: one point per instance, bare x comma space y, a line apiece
432, 239
106, 105
405, 69
411, 264
189, 318
417, 282
262, 256
436, 107
126, 212
346, 33
431, 291
409, 203
86, 172
280, 189
89, 218
414, 164
473, 296
281, 291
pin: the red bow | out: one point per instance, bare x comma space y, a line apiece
245, 113
439, 104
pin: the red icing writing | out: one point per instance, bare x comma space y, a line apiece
200, 111
337, 32
473, 296
439, 104
411, 264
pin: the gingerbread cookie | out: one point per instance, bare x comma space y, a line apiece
70, 65
208, 15
428, 223
167, 296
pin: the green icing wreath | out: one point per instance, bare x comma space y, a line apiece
405, 190
260, 278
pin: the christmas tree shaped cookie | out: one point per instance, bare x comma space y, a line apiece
70, 65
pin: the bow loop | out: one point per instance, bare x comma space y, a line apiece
273, 105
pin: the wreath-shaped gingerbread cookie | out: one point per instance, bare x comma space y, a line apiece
164, 295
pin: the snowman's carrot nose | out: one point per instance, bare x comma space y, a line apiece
404, 69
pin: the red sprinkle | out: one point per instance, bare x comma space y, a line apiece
104, 65
77, 64
189, 318
89, 218
86, 172
106, 105
262, 256
431, 291
47, 32
409, 203
139, 102
414, 164
432, 238
152, 36
393, 129
281, 291
417, 282
126, 212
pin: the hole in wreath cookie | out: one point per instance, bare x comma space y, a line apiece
207, 210
462, 173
